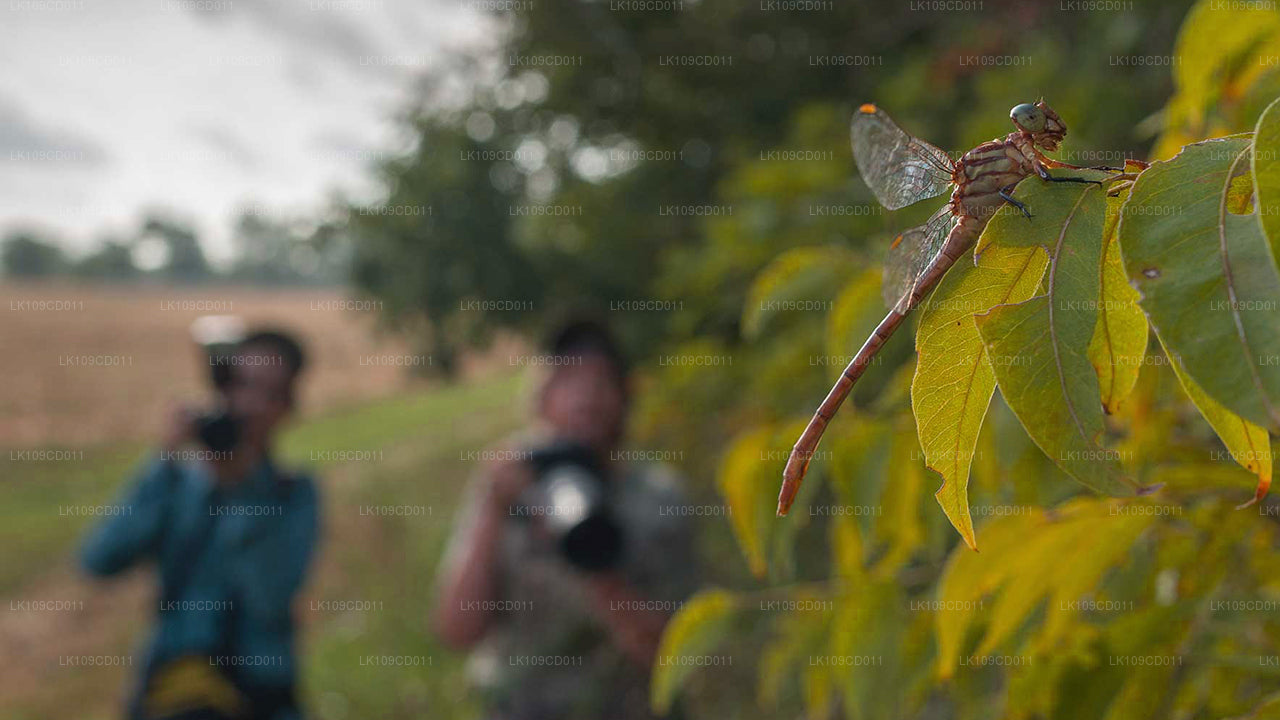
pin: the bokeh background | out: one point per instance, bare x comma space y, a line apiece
441, 181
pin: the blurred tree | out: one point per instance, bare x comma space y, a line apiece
624, 125
184, 260
26, 254
112, 260
437, 248
273, 251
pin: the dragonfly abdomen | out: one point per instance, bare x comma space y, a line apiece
958, 242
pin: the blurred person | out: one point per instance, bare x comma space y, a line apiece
558, 631
232, 535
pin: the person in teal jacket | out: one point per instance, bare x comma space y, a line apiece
232, 536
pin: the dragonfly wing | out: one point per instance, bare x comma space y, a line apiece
911, 253
900, 169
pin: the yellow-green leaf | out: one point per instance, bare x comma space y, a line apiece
695, 630
818, 688
797, 634
1214, 38
1269, 709
901, 528
800, 280
846, 549
856, 311
1038, 347
1022, 568
1248, 444
954, 381
746, 489
1119, 342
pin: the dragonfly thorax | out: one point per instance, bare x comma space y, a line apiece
985, 170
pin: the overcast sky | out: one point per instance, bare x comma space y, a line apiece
111, 106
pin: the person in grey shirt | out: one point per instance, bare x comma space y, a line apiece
550, 639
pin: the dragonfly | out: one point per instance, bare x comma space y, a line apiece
902, 170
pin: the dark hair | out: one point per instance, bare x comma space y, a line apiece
586, 337
277, 342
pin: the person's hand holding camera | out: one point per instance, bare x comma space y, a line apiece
180, 427
508, 478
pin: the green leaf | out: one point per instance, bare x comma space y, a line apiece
1248, 444
1206, 276
799, 280
954, 381
1038, 347
1119, 342
1266, 174
695, 630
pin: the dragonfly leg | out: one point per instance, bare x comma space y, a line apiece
1006, 192
1066, 166
1108, 168
1044, 175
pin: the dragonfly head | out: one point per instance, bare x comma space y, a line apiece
1040, 122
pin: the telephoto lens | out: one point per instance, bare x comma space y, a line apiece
575, 494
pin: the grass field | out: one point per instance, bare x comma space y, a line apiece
71, 436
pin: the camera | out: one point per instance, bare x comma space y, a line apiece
217, 337
571, 485
218, 431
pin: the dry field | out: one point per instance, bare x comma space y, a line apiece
88, 364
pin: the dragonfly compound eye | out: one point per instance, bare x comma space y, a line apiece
1028, 117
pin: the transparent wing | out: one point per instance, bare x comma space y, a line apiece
911, 253
901, 170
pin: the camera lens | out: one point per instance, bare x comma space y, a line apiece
579, 518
